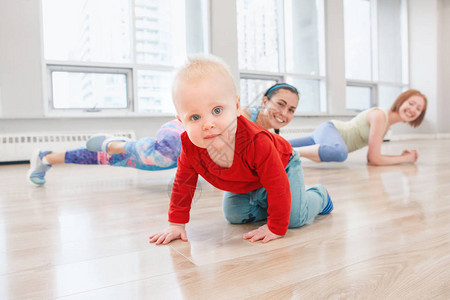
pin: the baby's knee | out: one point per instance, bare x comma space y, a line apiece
235, 216
232, 218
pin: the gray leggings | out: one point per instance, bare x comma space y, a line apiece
332, 146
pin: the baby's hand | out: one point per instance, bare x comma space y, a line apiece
262, 233
173, 232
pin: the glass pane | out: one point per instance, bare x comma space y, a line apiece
310, 94
89, 90
154, 91
389, 40
358, 51
197, 19
303, 46
257, 23
252, 91
87, 30
160, 32
387, 95
358, 97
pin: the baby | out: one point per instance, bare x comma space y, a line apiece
260, 173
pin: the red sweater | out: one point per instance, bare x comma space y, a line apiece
260, 158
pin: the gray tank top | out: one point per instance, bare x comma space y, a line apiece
356, 131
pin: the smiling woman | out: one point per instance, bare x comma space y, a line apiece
333, 140
278, 107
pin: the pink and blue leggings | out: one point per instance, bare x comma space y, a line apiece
149, 154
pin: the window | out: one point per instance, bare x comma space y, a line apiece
358, 97
154, 91
252, 90
90, 89
86, 31
388, 94
375, 52
358, 43
282, 40
258, 35
119, 54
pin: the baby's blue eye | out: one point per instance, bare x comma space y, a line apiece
217, 110
195, 117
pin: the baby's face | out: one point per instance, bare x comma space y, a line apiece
208, 109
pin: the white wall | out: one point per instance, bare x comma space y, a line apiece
444, 65
423, 54
224, 34
335, 56
20, 59
21, 71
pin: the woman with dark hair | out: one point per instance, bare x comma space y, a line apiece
333, 140
160, 153
277, 108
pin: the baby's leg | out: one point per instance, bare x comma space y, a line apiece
245, 208
305, 204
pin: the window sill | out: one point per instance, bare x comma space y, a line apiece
108, 114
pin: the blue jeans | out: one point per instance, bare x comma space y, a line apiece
332, 146
252, 206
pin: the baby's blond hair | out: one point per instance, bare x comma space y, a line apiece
200, 67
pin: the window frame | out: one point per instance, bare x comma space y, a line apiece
364, 84
252, 76
76, 68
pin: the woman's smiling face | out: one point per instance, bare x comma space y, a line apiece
280, 108
411, 108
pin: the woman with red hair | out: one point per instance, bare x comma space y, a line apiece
333, 140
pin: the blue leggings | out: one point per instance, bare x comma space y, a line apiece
252, 207
149, 154
332, 146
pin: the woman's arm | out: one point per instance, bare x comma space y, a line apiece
377, 119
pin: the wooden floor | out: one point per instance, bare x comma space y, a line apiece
84, 235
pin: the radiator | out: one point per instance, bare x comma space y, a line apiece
295, 132
20, 146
